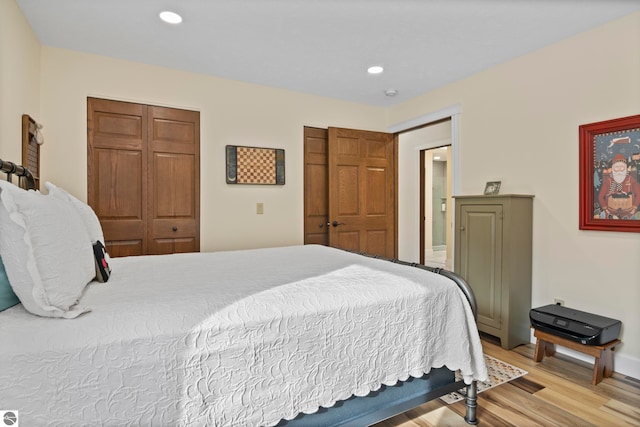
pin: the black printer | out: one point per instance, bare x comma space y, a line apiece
575, 325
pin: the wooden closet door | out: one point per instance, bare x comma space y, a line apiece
174, 180
316, 186
143, 176
116, 173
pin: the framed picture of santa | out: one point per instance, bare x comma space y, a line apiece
610, 175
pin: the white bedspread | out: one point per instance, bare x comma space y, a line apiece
254, 337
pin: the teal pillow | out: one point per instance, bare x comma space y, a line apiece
7, 297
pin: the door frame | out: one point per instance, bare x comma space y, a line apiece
453, 113
421, 154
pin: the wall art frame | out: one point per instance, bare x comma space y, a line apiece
254, 165
609, 180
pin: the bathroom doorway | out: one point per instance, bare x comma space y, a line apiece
436, 206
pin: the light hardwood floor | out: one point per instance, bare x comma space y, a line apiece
555, 392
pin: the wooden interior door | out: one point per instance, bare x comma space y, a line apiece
362, 191
116, 173
143, 176
174, 184
316, 186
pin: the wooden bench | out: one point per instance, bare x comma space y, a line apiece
603, 365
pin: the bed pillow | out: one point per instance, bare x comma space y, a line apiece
46, 252
7, 297
89, 217
10, 232
12, 244
92, 224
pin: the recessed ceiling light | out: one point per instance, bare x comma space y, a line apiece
375, 69
391, 92
170, 17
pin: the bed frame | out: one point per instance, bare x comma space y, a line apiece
26, 179
377, 406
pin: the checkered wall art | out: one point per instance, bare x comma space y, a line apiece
254, 165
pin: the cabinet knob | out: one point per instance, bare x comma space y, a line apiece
462, 228
174, 228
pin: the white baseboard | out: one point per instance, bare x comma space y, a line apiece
626, 365
622, 364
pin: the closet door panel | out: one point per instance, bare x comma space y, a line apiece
116, 171
174, 184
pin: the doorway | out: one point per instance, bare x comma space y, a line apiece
436, 204
417, 210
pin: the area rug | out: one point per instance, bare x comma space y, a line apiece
499, 373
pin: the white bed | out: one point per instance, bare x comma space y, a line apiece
243, 338
233, 338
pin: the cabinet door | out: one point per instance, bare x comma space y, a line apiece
481, 260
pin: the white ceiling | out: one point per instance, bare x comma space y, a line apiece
321, 47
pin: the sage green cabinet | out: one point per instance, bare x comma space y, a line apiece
493, 238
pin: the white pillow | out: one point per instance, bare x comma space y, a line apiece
12, 241
46, 251
90, 220
89, 217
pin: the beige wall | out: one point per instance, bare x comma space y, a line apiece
230, 113
519, 123
19, 79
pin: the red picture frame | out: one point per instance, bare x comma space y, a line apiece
610, 175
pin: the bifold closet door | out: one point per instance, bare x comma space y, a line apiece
143, 176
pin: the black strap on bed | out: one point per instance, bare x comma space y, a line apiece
462, 284
23, 173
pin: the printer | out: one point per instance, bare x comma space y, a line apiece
575, 325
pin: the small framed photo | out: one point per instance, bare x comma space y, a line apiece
492, 188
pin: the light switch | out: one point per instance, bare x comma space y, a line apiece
259, 208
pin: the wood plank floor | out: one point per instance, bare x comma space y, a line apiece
555, 392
